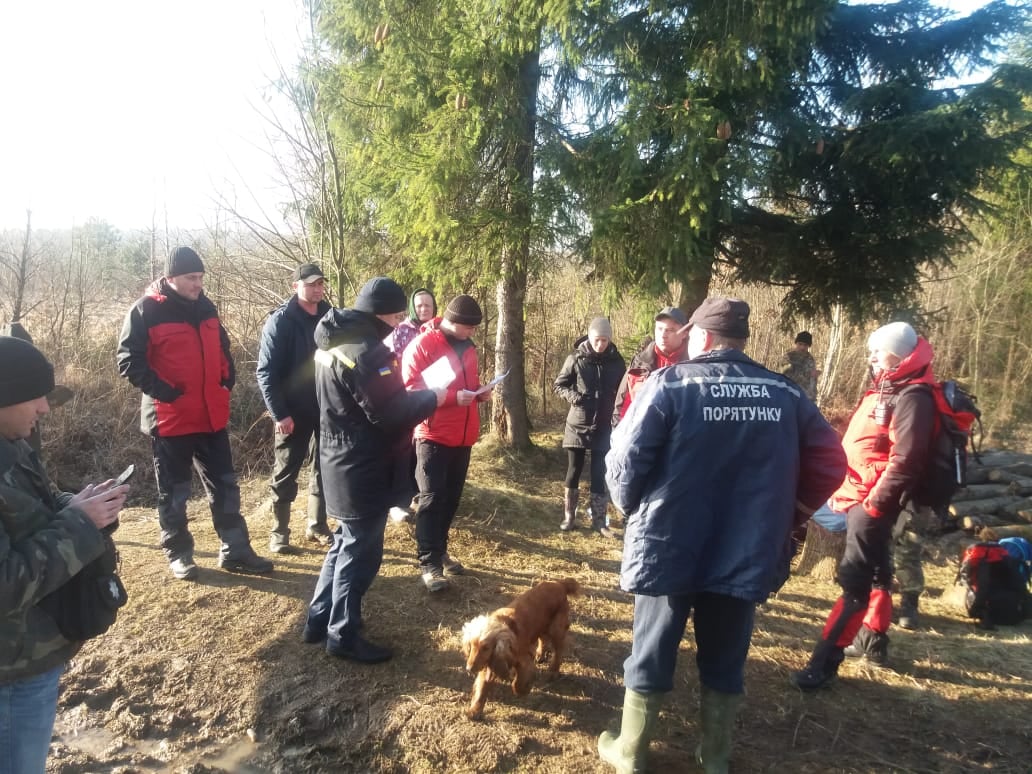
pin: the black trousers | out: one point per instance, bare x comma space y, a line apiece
575, 466
441, 476
291, 452
210, 454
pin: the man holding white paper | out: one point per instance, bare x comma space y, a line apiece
444, 356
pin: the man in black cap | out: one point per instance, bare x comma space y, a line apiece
366, 419
444, 441
176, 352
799, 365
715, 463
286, 377
46, 539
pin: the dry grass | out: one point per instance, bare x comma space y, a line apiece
189, 668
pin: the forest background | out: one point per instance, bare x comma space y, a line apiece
836, 165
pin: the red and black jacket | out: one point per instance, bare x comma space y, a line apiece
177, 353
886, 463
451, 424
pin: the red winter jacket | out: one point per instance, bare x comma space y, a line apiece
177, 353
883, 464
451, 424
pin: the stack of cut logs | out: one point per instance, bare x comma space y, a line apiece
996, 503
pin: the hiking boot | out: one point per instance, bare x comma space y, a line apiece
434, 580
908, 617
183, 568
814, 677
398, 515
246, 562
451, 566
869, 645
283, 549
822, 668
360, 650
854, 651
319, 533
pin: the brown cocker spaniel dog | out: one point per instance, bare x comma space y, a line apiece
506, 643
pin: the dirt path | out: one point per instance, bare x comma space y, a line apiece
212, 676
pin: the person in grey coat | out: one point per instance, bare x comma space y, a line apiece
588, 382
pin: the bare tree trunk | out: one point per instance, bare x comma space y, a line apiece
22, 271
509, 419
832, 357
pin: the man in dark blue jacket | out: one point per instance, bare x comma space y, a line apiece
286, 376
366, 421
714, 464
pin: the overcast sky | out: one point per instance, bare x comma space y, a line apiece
121, 109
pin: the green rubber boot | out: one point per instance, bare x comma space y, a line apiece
718, 712
626, 752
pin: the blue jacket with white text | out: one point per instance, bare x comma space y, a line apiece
714, 464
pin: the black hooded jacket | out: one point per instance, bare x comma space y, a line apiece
589, 381
366, 416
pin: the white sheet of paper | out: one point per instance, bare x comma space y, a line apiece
491, 384
438, 374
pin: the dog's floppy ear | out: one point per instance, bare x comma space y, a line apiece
503, 655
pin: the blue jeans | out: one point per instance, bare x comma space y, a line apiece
723, 630
27, 711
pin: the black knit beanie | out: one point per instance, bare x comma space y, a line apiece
381, 295
464, 310
26, 373
183, 260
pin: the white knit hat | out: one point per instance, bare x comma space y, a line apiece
600, 327
898, 338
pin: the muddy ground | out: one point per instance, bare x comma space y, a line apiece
212, 676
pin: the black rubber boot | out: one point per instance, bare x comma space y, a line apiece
570, 499
279, 538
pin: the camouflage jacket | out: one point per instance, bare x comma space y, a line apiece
43, 542
801, 368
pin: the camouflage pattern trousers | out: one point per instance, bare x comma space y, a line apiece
916, 523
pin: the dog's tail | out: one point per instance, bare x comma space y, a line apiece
571, 586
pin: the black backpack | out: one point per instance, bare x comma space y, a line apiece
946, 472
996, 589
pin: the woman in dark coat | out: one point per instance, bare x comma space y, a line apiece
589, 381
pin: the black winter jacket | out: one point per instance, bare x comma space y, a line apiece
589, 381
286, 370
365, 415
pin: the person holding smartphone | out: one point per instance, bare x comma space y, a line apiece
46, 538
